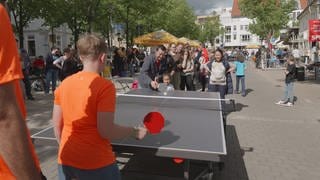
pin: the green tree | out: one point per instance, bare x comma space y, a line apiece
50, 13
23, 12
174, 16
211, 29
269, 16
133, 13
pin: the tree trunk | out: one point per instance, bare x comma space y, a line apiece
20, 28
52, 36
75, 37
127, 27
21, 38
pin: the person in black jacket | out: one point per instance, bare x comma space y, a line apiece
290, 75
51, 70
70, 66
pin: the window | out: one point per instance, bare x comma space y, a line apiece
241, 27
234, 27
246, 27
228, 29
228, 38
234, 37
245, 38
217, 41
31, 45
58, 41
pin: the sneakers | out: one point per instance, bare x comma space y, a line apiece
289, 104
285, 104
280, 102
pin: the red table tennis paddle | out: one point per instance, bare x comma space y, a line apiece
154, 122
178, 160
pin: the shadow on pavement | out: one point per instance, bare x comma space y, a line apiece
234, 166
230, 107
248, 91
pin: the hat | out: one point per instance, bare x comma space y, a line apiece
135, 47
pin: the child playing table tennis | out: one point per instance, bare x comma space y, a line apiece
166, 80
83, 117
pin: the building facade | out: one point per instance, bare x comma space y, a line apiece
312, 11
39, 39
236, 28
236, 31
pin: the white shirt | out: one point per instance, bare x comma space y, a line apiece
218, 74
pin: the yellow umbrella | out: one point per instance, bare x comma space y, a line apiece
184, 40
156, 38
195, 43
252, 46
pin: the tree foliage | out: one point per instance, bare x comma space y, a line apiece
23, 13
269, 16
137, 16
211, 29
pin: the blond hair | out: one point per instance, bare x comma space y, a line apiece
91, 46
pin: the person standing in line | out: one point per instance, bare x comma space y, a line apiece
203, 60
51, 70
84, 120
177, 66
25, 59
240, 74
220, 77
289, 80
187, 72
18, 159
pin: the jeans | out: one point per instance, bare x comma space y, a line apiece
288, 94
186, 81
203, 80
222, 89
243, 86
110, 172
51, 75
27, 83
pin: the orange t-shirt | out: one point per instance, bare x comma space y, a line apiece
81, 96
10, 71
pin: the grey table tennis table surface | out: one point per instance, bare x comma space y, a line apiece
193, 123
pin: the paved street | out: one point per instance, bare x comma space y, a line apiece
264, 141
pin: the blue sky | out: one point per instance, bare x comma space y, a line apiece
203, 7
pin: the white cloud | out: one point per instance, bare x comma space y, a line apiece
203, 7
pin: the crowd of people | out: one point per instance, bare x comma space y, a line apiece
191, 68
85, 102
55, 66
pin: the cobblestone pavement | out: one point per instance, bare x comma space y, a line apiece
264, 141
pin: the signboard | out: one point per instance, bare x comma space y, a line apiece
314, 30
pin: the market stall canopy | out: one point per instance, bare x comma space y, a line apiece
252, 46
195, 43
156, 38
185, 41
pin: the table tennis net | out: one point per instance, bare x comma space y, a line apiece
171, 102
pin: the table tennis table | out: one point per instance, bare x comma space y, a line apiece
194, 127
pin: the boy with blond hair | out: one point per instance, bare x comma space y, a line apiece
83, 117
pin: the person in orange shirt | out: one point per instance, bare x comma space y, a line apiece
83, 118
17, 156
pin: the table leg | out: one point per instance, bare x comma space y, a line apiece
186, 169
